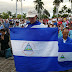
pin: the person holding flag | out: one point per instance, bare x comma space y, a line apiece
65, 38
32, 16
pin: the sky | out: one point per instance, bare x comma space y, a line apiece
8, 5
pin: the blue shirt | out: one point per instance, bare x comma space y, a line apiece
6, 25
60, 40
55, 23
1, 27
60, 33
64, 23
27, 21
70, 33
30, 25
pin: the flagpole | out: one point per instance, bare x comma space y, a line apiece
16, 8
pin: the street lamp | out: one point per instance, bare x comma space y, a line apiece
16, 7
21, 8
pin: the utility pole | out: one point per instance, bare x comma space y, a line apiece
21, 11
16, 8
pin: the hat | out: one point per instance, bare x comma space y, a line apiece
31, 14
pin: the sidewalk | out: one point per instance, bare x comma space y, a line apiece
7, 65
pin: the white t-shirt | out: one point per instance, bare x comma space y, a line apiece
22, 24
64, 40
37, 26
49, 22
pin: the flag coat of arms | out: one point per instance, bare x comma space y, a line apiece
35, 49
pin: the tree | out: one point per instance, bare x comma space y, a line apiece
0, 15
14, 15
71, 5
54, 10
9, 13
5, 15
19, 16
57, 3
46, 12
64, 8
68, 10
24, 15
60, 12
39, 6
44, 16
64, 12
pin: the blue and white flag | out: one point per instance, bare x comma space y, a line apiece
36, 49
65, 54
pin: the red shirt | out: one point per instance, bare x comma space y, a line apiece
59, 23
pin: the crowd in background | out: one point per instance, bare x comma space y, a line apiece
64, 28
60, 22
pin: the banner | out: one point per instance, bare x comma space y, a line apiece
36, 49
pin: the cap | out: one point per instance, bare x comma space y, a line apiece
31, 14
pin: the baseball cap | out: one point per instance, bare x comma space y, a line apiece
32, 13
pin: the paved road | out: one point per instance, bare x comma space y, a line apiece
7, 65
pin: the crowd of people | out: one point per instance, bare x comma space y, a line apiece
64, 28
64, 25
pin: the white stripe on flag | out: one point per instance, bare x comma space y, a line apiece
35, 48
64, 56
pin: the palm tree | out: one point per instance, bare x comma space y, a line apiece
68, 11
46, 12
57, 3
39, 6
54, 10
64, 8
9, 13
71, 6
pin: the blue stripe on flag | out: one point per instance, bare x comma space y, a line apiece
38, 64
65, 47
34, 34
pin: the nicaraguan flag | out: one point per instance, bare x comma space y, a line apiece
65, 54
36, 49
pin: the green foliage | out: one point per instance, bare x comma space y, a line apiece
9, 13
46, 12
14, 15
0, 16
57, 2
65, 10
24, 15
68, 10
44, 16
5, 15
38, 5
19, 16
64, 15
54, 16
